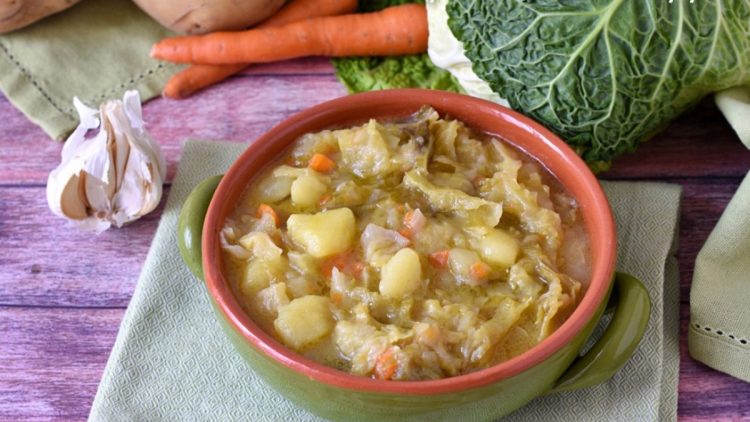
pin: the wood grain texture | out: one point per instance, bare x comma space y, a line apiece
52, 359
302, 66
63, 292
48, 262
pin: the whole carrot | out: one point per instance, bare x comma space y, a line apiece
196, 77
392, 31
298, 10
193, 78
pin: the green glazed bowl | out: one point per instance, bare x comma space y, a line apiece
551, 366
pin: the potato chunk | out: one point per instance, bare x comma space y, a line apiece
466, 266
273, 189
307, 191
323, 234
498, 248
304, 321
259, 273
401, 275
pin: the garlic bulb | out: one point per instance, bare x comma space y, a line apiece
114, 177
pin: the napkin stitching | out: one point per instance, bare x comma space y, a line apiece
69, 111
105, 95
720, 335
26, 73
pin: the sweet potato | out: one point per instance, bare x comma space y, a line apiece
15, 14
198, 17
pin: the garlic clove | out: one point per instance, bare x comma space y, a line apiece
67, 198
71, 203
96, 192
121, 154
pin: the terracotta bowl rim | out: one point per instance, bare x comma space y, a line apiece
598, 210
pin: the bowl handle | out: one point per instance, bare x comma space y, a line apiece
190, 226
632, 307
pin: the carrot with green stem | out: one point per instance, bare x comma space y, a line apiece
393, 31
196, 77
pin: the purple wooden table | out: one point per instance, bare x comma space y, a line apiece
63, 293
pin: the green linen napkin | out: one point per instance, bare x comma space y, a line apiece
171, 361
719, 333
96, 50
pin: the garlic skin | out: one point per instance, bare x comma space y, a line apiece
112, 178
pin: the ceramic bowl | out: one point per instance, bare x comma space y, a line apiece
553, 365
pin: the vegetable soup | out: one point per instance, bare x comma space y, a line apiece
406, 250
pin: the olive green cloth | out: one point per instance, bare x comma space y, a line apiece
719, 333
96, 50
171, 361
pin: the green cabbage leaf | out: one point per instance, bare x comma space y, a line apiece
361, 74
604, 74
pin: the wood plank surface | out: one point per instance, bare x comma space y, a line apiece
63, 292
52, 359
47, 262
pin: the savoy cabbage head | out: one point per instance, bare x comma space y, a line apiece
602, 74
605, 74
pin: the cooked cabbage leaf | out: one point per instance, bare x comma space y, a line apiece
443, 199
605, 74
